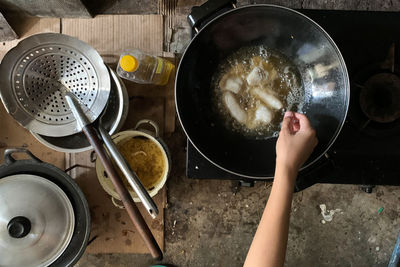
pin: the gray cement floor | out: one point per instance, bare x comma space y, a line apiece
208, 223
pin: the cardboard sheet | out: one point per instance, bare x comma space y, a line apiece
14, 135
111, 228
112, 231
110, 35
29, 27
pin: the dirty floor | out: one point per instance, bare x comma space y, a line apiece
211, 223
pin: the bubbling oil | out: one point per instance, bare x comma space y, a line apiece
282, 79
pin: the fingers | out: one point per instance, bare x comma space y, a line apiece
286, 127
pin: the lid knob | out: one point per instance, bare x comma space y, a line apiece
19, 227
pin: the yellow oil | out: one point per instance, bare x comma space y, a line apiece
145, 158
284, 81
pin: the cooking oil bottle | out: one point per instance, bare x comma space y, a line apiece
140, 67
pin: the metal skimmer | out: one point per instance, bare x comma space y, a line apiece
30, 82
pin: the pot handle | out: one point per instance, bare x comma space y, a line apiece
200, 14
9, 159
156, 133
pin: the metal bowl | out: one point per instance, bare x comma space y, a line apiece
112, 119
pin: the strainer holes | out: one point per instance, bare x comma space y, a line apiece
56, 119
49, 119
67, 116
92, 94
61, 119
59, 49
88, 68
52, 110
65, 111
90, 100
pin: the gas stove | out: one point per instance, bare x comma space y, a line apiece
367, 150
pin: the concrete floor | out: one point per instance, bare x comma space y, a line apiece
209, 223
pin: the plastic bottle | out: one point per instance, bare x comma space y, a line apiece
139, 67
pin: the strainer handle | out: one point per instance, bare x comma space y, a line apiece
156, 133
129, 174
9, 159
131, 208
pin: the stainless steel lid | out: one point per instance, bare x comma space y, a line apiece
30, 85
36, 221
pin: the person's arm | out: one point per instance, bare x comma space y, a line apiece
295, 143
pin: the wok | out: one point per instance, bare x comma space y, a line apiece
305, 43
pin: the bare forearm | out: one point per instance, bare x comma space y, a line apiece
269, 245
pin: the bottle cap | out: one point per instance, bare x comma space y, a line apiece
128, 63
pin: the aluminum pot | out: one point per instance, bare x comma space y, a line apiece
304, 42
138, 131
23, 229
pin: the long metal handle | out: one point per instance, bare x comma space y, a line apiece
129, 174
123, 193
126, 198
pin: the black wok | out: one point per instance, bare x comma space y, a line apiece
310, 48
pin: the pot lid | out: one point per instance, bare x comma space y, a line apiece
36, 221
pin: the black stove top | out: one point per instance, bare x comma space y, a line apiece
367, 151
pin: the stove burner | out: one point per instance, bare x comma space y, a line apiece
380, 97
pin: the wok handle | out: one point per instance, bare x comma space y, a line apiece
126, 199
130, 175
200, 14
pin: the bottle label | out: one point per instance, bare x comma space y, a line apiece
159, 65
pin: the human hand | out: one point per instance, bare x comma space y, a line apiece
296, 141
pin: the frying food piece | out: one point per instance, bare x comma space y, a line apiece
234, 108
231, 83
262, 115
256, 76
267, 97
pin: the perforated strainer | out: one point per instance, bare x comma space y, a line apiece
30, 82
